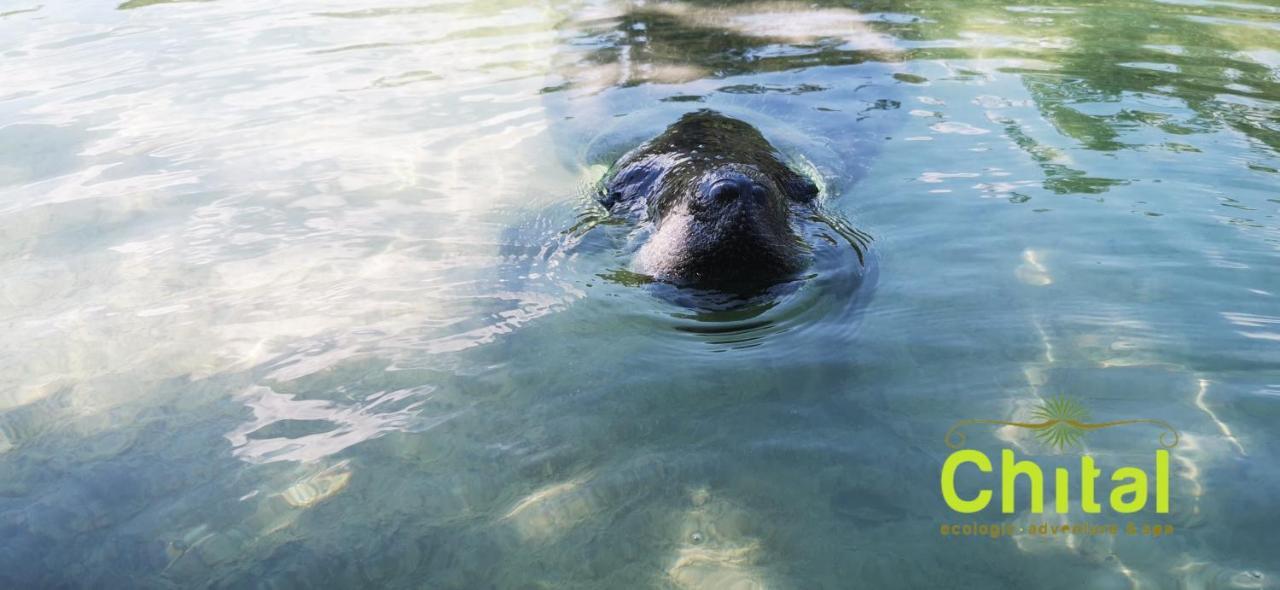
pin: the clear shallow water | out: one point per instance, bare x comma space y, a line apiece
286, 301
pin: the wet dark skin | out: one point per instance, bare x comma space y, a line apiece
720, 204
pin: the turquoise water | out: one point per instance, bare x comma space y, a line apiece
291, 299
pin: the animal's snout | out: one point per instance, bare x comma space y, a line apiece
726, 190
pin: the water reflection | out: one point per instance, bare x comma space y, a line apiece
285, 428
674, 42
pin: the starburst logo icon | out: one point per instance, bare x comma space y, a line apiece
1062, 424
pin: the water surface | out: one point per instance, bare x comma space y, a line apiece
288, 301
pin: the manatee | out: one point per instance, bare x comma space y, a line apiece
720, 207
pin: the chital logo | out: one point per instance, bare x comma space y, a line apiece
1060, 424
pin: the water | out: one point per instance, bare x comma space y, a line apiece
288, 300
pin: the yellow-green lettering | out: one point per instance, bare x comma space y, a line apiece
1009, 472
949, 481
1137, 488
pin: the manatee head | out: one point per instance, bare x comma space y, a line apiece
721, 205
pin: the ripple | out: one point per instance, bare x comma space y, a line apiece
286, 428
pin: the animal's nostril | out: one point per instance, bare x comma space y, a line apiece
730, 190
725, 190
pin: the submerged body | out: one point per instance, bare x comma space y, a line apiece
720, 206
